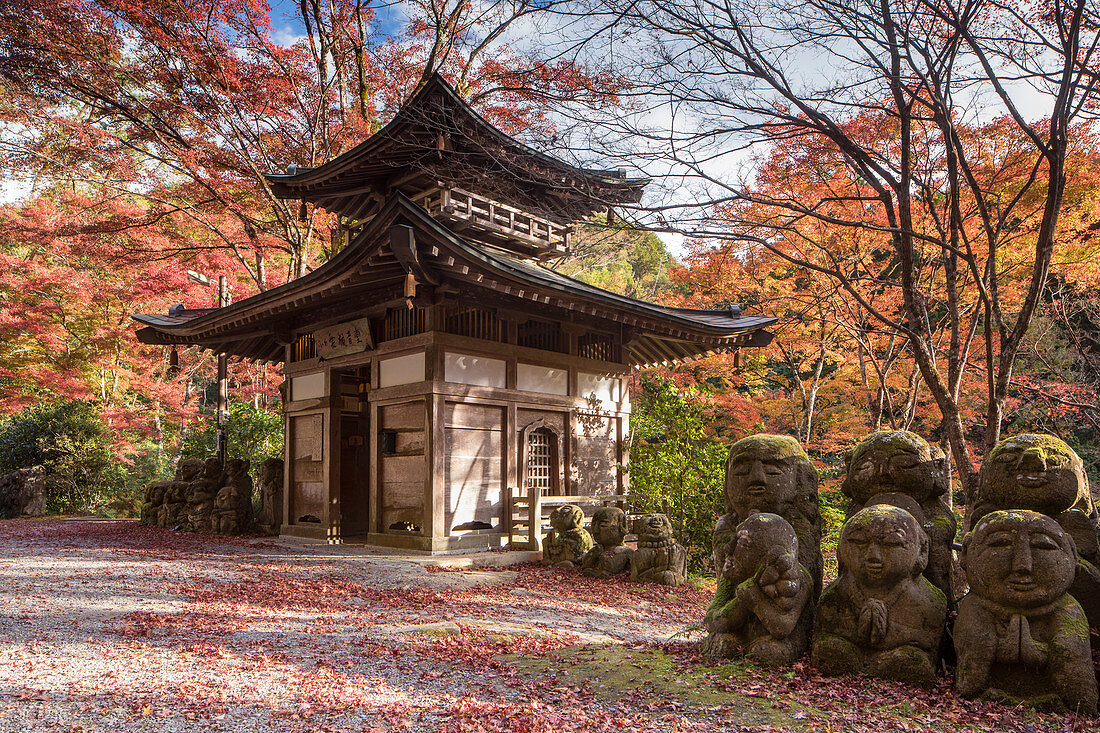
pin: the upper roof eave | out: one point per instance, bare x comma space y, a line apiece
284, 183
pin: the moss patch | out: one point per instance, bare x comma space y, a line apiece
615, 672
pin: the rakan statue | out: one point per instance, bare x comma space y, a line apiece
1042, 474
772, 473
659, 557
233, 504
567, 541
769, 612
270, 518
610, 556
888, 465
1020, 636
881, 616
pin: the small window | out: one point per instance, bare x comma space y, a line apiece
540, 461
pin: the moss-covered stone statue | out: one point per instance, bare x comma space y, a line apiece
659, 557
173, 512
270, 518
770, 612
610, 556
1020, 636
771, 473
567, 541
232, 510
200, 496
881, 616
890, 463
1041, 473
154, 500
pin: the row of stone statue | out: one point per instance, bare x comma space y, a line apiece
204, 496
1030, 558
600, 553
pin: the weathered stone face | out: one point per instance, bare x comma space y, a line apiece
189, 469
653, 528
761, 537
894, 461
763, 474
567, 517
1020, 637
1019, 559
882, 545
1036, 472
609, 526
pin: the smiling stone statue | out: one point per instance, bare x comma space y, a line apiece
1041, 473
1020, 636
888, 465
773, 474
881, 616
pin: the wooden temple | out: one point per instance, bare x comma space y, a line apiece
443, 383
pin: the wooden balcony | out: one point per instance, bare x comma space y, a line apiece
482, 218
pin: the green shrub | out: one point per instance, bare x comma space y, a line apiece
677, 465
76, 447
252, 433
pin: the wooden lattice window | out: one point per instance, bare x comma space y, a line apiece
479, 323
540, 461
303, 348
402, 322
539, 464
598, 346
538, 334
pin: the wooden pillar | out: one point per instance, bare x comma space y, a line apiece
435, 488
331, 450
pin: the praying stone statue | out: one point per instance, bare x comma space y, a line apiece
659, 558
1020, 636
772, 473
270, 518
1042, 474
567, 541
610, 556
233, 503
887, 464
768, 613
881, 616
173, 512
200, 496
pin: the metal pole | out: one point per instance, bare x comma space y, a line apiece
223, 377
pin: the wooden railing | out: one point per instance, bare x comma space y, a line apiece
529, 517
539, 236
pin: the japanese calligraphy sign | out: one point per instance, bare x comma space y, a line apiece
344, 338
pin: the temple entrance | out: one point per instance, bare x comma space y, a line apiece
354, 489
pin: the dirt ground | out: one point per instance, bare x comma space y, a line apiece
109, 626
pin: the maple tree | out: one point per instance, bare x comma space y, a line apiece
917, 133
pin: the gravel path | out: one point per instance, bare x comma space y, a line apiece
109, 626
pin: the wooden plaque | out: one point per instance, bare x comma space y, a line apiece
351, 337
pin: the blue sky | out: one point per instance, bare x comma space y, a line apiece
287, 18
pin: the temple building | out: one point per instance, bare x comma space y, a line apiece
443, 382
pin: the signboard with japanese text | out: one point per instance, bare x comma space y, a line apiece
342, 339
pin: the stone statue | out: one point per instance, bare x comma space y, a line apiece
270, 519
567, 541
887, 464
769, 612
233, 503
881, 616
154, 499
1020, 636
659, 558
610, 556
173, 512
200, 496
772, 473
1042, 474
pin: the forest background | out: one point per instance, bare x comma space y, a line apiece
135, 137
